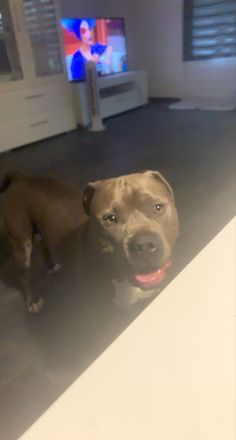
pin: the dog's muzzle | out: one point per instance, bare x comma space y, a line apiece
146, 251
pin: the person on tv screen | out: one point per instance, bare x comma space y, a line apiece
88, 51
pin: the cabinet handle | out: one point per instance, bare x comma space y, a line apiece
35, 124
39, 95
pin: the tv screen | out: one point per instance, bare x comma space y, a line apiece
101, 40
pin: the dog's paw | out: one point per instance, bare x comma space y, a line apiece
55, 268
36, 307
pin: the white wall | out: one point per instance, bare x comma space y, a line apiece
214, 78
159, 33
154, 36
78, 8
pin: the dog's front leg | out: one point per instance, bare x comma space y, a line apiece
33, 306
48, 258
22, 255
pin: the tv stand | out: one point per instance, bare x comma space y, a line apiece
117, 94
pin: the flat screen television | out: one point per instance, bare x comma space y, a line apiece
101, 40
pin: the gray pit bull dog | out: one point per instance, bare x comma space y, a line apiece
132, 219
135, 220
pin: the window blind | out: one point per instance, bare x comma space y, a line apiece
209, 29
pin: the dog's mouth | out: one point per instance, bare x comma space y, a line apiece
152, 279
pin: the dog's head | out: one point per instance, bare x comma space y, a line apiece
137, 223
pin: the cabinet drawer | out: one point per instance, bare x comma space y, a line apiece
119, 103
23, 131
27, 102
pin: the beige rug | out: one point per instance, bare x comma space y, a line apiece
205, 104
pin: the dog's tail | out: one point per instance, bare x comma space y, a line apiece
11, 177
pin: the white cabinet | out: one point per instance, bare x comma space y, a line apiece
35, 97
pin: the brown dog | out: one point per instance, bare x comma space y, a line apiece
41, 206
135, 220
132, 219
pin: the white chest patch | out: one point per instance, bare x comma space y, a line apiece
126, 295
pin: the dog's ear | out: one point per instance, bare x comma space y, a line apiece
157, 175
87, 197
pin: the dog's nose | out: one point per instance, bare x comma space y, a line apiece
145, 244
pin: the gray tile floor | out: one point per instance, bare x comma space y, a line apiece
40, 356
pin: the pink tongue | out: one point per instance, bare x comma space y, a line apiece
154, 277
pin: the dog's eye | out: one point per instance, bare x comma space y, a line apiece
110, 218
159, 208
